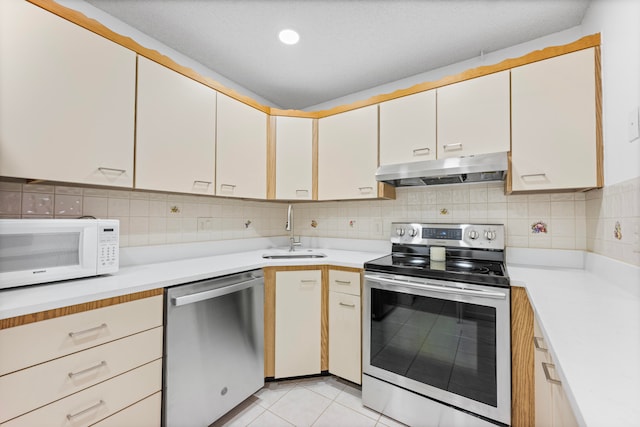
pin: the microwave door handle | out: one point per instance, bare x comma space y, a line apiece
440, 289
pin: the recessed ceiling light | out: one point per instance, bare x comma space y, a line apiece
289, 36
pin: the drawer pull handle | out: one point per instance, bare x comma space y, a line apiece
86, 331
202, 182
119, 171
545, 368
229, 186
536, 344
456, 146
84, 371
343, 282
421, 151
365, 189
308, 281
347, 305
84, 411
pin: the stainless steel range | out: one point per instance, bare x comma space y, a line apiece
436, 327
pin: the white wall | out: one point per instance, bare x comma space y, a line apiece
618, 21
126, 30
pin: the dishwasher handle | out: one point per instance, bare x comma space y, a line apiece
214, 293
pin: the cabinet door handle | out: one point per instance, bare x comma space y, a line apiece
119, 171
308, 281
303, 192
365, 189
536, 344
422, 151
84, 371
197, 181
532, 175
347, 305
547, 375
227, 187
84, 411
86, 331
343, 282
450, 147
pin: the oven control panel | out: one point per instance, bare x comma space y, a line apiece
479, 236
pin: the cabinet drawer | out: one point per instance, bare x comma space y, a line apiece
42, 341
39, 385
97, 402
347, 282
145, 413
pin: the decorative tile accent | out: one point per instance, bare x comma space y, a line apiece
539, 227
617, 231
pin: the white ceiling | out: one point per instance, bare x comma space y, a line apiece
346, 45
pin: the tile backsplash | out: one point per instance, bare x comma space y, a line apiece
613, 221
583, 221
564, 214
147, 218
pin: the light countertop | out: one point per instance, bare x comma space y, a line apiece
593, 328
131, 279
591, 321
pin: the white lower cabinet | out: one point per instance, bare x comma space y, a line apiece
298, 323
78, 369
552, 408
345, 343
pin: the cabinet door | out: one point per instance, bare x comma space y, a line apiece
473, 116
241, 164
345, 351
68, 100
294, 143
298, 303
554, 123
175, 131
348, 155
408, 129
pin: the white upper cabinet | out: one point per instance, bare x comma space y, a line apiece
348, 155
67, 100
241, 165
294, 157
474, 116
175, 131
554, 123
408, 129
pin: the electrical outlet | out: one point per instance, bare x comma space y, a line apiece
377, 227
634, 126
205, 224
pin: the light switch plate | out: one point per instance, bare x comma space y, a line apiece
634, 126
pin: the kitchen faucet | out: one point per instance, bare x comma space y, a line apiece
289, 227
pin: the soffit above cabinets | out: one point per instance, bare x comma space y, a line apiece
345, 46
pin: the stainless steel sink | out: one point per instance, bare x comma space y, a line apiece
293, 255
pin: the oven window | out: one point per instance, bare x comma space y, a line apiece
446, 344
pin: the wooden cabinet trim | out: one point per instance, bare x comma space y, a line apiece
100, 29
522, 360
271, 157
599, 131
78, 308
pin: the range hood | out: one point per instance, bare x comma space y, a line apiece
453, 170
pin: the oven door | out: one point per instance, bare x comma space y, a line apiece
444, 340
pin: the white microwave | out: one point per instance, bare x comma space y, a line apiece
34, 251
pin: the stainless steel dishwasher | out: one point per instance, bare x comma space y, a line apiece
214, 347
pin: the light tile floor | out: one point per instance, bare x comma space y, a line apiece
319, 402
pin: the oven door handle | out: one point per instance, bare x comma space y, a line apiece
440, 289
